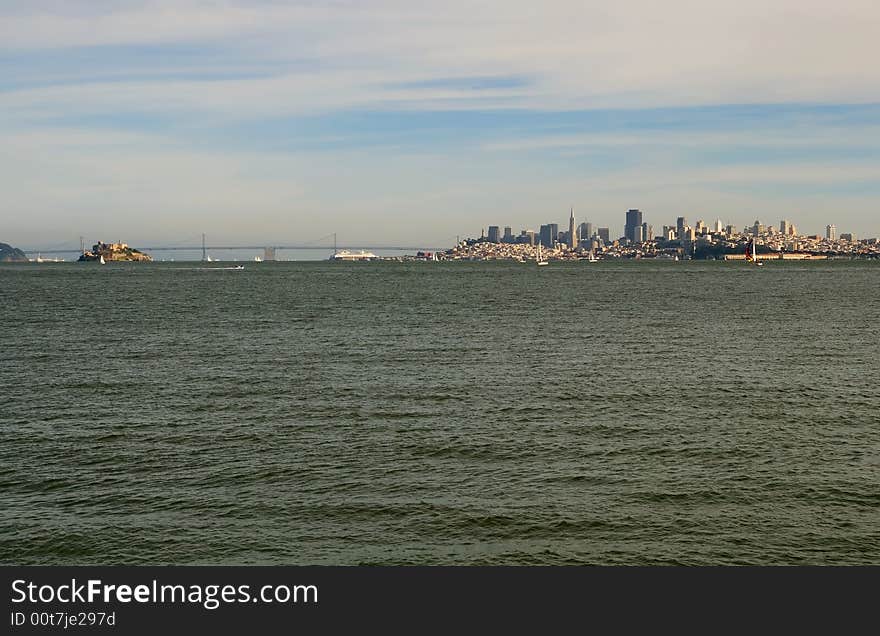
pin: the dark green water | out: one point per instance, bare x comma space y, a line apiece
631, 413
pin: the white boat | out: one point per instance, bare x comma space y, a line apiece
257, 259
539, 260
103, 262
345, 255
40, 259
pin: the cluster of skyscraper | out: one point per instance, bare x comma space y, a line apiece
576, 236
550, 236
637, 231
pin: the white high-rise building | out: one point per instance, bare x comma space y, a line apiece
831, 233
719, 227
785, 227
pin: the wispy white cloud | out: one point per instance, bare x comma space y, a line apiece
581, 53
757, 137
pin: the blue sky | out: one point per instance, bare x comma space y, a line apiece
413, 122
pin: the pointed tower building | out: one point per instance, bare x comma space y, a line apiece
572, 232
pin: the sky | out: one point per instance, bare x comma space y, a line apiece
411, 122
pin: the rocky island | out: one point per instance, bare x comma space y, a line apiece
9, 254
114, 252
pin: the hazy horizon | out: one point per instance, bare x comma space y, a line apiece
412, 123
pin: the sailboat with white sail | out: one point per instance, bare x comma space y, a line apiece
539, 259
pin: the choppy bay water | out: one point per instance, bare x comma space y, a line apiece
302, 413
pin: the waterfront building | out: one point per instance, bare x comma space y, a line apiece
633, 220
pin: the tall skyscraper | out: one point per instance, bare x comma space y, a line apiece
633, 220
604, 234
544, 235
494, 234
586, 231
831, 233
508, 235
549, 234
719, 226
680, 224
784, 227
572, 232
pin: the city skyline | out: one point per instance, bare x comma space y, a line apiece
636, 229
679, 241
406, 122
